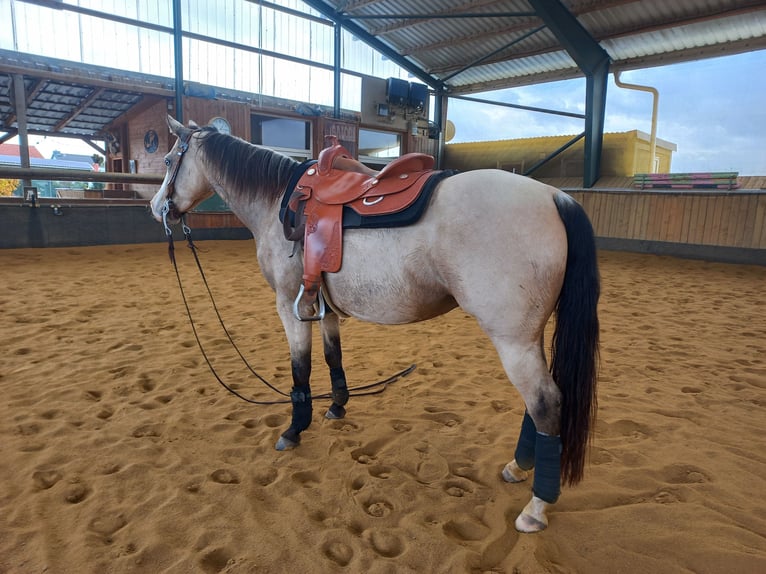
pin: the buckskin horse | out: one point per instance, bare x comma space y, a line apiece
506, 249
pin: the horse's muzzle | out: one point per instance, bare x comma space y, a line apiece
169, 214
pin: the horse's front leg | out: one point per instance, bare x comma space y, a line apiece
334, 358
299, 338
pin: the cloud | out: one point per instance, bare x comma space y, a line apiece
713, 110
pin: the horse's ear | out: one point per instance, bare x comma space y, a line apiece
193, 124
175, 126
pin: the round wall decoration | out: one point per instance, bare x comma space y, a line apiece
151, 141
221, 124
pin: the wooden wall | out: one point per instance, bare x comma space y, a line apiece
153, 119
725, 219
203, 110
213, 220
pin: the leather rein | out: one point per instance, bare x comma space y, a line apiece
167, 208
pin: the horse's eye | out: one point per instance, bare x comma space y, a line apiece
167, 162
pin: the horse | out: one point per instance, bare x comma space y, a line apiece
507, 249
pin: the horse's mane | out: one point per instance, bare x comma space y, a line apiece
245, 169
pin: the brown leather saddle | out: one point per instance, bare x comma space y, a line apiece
337, 182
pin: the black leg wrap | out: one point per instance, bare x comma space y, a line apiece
525, 448
302, 409
547, 483
337, 411
339, 389
292, 436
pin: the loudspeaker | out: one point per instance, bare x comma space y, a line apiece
418, 96
397, 91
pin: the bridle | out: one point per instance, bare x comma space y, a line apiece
167, 207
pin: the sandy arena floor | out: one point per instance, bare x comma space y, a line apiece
120, 453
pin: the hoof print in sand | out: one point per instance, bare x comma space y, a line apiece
378, 508
76, 493
147, 431
45, 479
458, 487
338, 552
107, 525
215, 561
466, 529
387, 544
274, 421
307, 478
684, 474
224, 476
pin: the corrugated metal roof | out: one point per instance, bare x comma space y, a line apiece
445, 40
470, 54
70, 99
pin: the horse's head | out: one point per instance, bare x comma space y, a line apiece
185, 185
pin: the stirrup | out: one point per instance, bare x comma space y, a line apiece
317, 316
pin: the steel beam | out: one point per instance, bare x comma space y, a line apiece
594, 62
347, 23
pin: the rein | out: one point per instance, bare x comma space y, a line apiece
362, 390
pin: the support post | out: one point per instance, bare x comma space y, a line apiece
595, 111
440, 117
20, 105
336, 70
178, 60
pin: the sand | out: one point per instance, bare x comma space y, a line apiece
120, 453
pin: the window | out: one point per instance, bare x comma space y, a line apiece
288, 136
376, 148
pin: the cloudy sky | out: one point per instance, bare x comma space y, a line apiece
714, 110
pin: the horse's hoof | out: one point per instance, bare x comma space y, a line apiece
529, 524
288, 440
335, 412
533, 518
285, 444
512, 473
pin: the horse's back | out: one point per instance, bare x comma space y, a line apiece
488, 238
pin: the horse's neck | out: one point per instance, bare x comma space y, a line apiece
258, 213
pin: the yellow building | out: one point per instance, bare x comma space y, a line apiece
624, 154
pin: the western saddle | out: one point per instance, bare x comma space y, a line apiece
336, 181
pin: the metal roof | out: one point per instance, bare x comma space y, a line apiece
479, 45
462, 46
71, 99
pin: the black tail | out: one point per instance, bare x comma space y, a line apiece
574, 352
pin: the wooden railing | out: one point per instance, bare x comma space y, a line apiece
734, 219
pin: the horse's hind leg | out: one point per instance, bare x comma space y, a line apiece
334, 358
539, 444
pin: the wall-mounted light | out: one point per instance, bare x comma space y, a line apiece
383, 110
